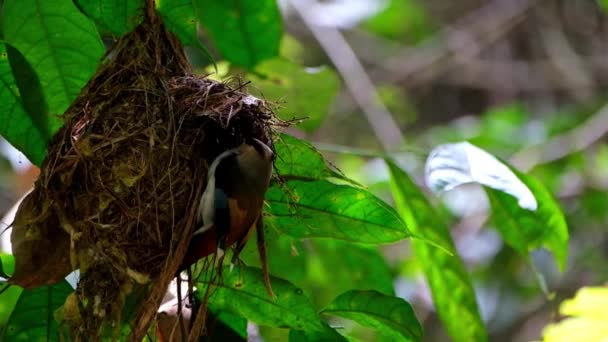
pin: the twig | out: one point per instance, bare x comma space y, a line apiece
452, 47
149, 307
522, 75
341, 149
455, 44
356, 79
575, 140
567, 62
151, 10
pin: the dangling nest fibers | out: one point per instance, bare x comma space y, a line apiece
118, 190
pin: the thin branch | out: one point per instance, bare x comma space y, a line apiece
362, 152
454, 44
151, 10
567, 62
450, 48
560, 146
355, 77
519, 75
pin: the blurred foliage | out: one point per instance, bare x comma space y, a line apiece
401, 19
287, 83
587, 319
532, 94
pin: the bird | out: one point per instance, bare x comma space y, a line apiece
231, 206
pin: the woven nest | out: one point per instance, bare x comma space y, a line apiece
118, 191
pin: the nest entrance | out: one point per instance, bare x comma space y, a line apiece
122, 179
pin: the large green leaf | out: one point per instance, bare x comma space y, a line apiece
325, 267
526, 229
28, 315
298, 159
325, 209
115, 16
29, 84
336, 266
223, 326
59, 42
7, 265
245, 32
390, 315
287, 257
300, 92
243, 293
9, 295
326, 335
451, 286
32, 317
180, 19
15, 124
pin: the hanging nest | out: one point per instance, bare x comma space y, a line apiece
118, 191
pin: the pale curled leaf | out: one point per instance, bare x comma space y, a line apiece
451, 165
523, 210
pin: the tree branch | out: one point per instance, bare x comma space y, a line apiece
355, 78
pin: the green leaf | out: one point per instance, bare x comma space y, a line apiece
326, 335
337, 266
301, 92
225, 326
242, 292
287, 257
525, 229
451, 286
114, 16
298, 159
603, 4
61, 45
245, 32
403, 20
32, 316
8, 296
325, 267
31, 89
15, 124
325, 209
390, 315
8, 300
7, 265
180, 19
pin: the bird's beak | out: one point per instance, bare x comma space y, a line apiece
263, 149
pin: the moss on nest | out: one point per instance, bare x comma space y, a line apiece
122, 178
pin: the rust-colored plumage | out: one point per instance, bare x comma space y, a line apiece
231, 206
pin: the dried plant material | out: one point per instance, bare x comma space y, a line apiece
118, 191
